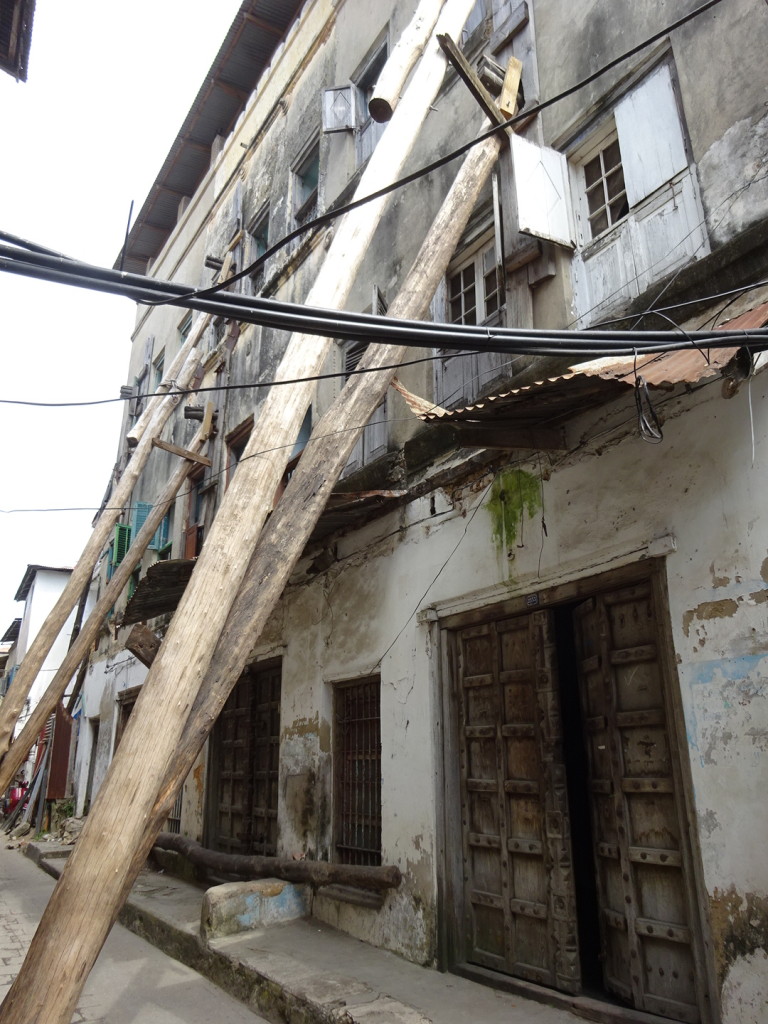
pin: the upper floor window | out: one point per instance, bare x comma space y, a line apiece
474, 290
625, 198
306, 177
345, 107
258, 243
368, 131
604, 187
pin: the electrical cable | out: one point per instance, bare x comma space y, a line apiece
371, 327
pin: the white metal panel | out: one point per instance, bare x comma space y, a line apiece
542, 191
650, 135
339, 109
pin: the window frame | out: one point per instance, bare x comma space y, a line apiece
474, 256
257, 247
236, 442
367, 131
306, 201
357, 819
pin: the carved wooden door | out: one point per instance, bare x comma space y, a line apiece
520, 915
644, 896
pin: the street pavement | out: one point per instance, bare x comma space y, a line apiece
132, 981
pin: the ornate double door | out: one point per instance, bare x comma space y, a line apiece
539, 883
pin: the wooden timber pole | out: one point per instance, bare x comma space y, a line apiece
15, 756
40, 647
293, 519
316, 873
99, 873
404, 55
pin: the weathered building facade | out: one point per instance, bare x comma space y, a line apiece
524, 654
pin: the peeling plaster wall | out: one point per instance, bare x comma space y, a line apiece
601, 508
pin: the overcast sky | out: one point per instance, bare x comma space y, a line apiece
109, 85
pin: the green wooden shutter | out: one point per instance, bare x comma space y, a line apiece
122, 543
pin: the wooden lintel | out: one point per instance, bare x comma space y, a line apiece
350, 496
143, 643
501, 435
183, 453
469, 76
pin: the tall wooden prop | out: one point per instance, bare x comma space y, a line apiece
99, 873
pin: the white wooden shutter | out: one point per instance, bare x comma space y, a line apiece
650, 135
542, 193
339, 109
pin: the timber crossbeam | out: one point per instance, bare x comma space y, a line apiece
303, 872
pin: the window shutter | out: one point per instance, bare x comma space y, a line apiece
353, 353
650, 135
122, 543
141, 511
149, 344
160, 538
541, 189
339, 113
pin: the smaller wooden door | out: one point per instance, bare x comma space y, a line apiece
643, 879
245, 754
520, 915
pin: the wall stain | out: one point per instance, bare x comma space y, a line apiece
300, 727
718, 581
197, 775
739, 926
760, 596
764, 570
513, 493
722, 609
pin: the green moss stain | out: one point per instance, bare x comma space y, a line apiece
514, 493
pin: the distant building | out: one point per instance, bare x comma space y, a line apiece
39, 589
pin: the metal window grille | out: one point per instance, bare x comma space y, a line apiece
173, 823
358, 772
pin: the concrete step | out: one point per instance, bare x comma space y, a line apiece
303, 971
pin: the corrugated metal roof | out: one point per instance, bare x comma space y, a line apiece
594, 382
159, 591
12, 633
257, 30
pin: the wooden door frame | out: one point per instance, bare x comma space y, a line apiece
210, 821
450, 885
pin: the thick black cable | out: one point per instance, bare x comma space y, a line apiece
343, 324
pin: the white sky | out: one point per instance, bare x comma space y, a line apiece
109, 85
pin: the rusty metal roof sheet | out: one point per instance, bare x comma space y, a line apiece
257, 30
159, 591
591, 383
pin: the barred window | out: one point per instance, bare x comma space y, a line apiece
357, 772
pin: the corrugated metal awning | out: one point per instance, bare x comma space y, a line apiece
525, 411
159, 591
12, 633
